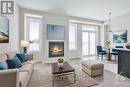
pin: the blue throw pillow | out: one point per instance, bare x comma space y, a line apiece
2, 66
13, 63
22, 57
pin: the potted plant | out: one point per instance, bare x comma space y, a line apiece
60, 61
107, 44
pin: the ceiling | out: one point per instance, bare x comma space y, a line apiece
92, 9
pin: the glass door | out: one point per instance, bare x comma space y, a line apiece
88, 40
85, 43
92, 43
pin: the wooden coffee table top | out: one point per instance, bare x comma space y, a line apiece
59, 70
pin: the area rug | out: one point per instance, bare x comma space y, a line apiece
42, 77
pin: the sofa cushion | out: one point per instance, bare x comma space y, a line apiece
29, 62
27, 67
14, 62
22, 57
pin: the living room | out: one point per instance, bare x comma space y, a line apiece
89, 38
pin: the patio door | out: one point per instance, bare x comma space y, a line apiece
88, 41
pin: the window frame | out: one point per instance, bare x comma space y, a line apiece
27, 30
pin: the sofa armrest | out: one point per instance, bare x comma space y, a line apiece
9, 78
25, 71
30, 56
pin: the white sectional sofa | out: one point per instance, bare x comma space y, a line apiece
16, 77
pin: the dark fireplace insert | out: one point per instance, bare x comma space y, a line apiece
56, 49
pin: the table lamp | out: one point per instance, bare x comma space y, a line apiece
24, 45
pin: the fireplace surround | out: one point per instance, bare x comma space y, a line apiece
56, 49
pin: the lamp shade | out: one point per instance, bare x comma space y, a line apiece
24, 43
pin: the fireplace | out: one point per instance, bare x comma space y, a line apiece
56, 49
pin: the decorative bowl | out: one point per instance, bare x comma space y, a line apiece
128, 46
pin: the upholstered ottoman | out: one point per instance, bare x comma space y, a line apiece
92, 67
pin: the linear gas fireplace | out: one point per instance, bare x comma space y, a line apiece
56, 49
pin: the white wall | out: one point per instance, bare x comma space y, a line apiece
13, 44
120, 23
49, 18
77, 53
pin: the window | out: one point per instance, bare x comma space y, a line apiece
72, 36
33, 26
